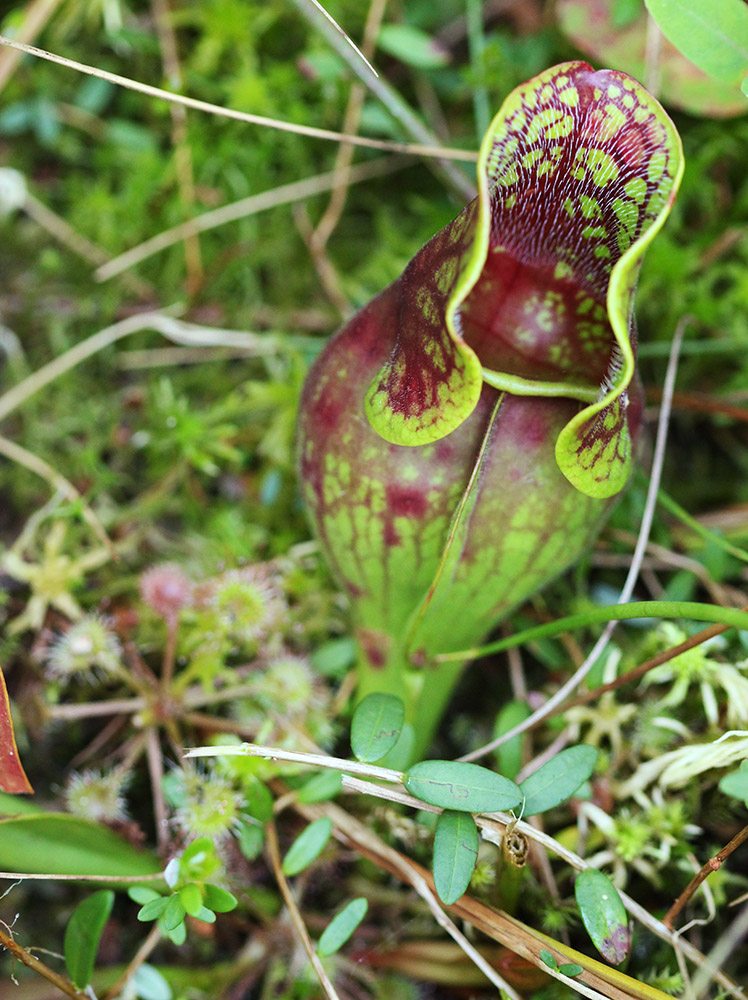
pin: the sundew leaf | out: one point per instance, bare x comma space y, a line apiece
455, 854
411, 46
376, 726
454, 784
713, 34
558, 779
342, 926
307, 847
603, 915
83, 933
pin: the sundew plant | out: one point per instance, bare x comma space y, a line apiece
373, 522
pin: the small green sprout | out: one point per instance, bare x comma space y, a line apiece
191, 894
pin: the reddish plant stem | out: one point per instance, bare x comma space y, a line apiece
634, 675
702, 402
712, 865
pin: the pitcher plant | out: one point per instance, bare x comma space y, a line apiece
464, 435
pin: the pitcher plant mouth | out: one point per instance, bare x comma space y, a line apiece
530, 289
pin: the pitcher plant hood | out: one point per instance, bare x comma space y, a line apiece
530, 289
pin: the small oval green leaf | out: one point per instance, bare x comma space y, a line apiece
251, 838
548, 958
321, 787
376, 726
342, 925
454, 784
192, 898
558, 779
509, 754
83, 933
177, 935
412, 46
220, 900
153, 909
570, 969
455, 854
259, 800
173, 915
307, 847
603, 915
142, 894
150, 984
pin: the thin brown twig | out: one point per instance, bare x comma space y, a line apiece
702, 402
78, 244
22, 456
318, 237
134, 964
170, 652
273, 852
655, 661
326, 271
712, 865
351, 119
88, 710
36, 17
180, 139
36, 965
251, 205
156, 772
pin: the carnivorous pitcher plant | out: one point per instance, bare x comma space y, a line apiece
462, 436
